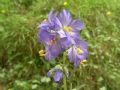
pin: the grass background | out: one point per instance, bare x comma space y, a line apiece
21, 68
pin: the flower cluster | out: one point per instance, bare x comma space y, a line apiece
59, 33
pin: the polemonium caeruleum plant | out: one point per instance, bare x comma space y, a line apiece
59, 33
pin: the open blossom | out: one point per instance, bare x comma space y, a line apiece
78, 52
49, 38
52, 45
53, 50
69, 28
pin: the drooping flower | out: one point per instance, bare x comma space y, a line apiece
78, 52
57, 73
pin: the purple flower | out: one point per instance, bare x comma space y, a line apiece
45, 34
52, 46
49, 38
78, 52
47, 28
53, 49
57, 74
68, 28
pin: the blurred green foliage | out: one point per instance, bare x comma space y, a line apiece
21, 68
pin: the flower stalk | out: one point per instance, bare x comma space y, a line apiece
65, 82
64, 76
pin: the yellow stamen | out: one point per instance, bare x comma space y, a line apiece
83, 61
41, 53
53, 41
79, 51
68, 29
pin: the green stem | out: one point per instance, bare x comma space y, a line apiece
64, 77
65, 83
